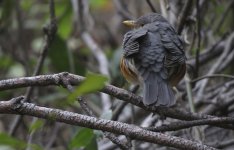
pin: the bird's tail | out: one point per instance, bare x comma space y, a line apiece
157, 92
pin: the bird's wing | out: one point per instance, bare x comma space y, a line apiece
131, 41
149, 63
151, 56
173, 44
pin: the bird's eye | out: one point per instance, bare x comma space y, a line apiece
141, 25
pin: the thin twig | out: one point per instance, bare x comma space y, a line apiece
122, 105
227, 61
224, 16
21, 37
191, 104
217, 64
179, 125
189, 93
225, 143
210, 53
117, 111
183, 16
53, 137
212, 76
198, 39
78, 9
122, 10
50, 32
151, 6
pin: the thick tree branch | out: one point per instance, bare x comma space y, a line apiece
58, 79
17, 106
123, 145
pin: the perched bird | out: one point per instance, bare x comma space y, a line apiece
153, 56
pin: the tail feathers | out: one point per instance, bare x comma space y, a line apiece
166, 96
150, 90
157, 92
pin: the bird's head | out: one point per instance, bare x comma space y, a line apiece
143, 20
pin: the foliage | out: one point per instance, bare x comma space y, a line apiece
84, 138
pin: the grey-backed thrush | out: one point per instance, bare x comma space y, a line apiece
154, 57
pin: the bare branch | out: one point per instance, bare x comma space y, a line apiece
50, 31
110, 136
183, 15
78, 9
151, 6
17, 106
217, 64
224, 16
117, 111
57, 79
213, 76
198, 39
174, 126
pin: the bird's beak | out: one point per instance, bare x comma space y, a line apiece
130, 23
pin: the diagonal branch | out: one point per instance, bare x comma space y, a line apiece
184, 14
58, 79
151, 6
174, 126
111, 136
214, 68
17, 106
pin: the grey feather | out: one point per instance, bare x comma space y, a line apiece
165, 94
150, 90
130, 42
157, 92
155, 48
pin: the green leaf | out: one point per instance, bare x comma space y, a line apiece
59, 55
6, 62
26, 5
6, 9
82, 139
12, 142
36, 125
65, 28
92, 83
92, 144
98, 3
64, 13
15, 143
